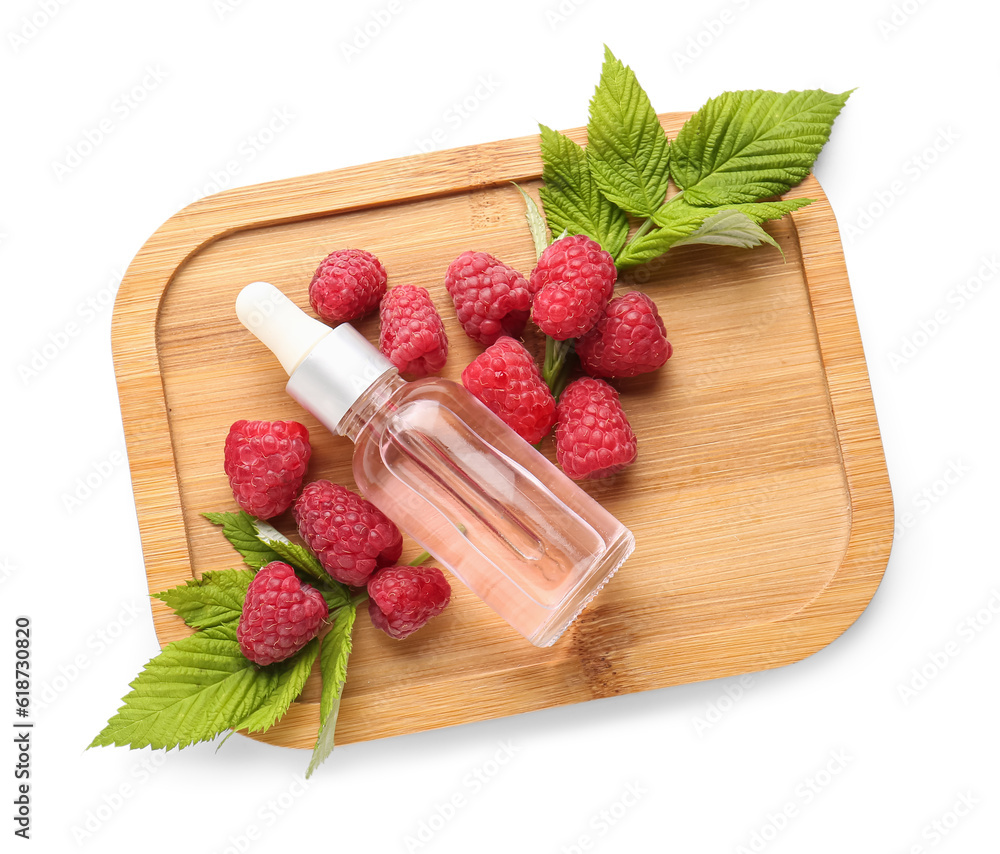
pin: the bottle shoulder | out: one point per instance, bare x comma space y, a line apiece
392, 401
438, 388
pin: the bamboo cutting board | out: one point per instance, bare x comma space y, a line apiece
760, 501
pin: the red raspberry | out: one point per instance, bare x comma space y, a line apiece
572, 283
491, 299
281, 614
593, 436
350, 536
403, 598
412, 334
347, 284
507, 380
628, 340
265, 462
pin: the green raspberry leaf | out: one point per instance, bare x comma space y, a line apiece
679, 223
536, 222
295, 671
571, 198
215, 599
763, 211
627, 149
654, 243
729, 228
239, 529
195, 689
299, 557
335, 593
678, 213
334, 652
747, 145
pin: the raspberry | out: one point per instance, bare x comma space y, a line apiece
347, 284
403, 598
572, 283
412, 334
491, 299
628, 340
593, 436
350, 536
281, 614
265, 462
507, 380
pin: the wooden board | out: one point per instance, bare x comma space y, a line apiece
760, 501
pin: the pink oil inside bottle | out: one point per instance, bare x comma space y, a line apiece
490, 508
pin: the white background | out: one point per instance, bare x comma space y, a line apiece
832, 740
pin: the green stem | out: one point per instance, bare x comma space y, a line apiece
555, 369
550, 357
560, 384
646, 226
423, 557
643, 229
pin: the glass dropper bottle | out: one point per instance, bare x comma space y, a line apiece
486, 505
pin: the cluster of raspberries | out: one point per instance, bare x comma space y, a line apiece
355, 542
568, 296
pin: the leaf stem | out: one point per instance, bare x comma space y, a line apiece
421, 558
555, 369
550, 355
646, 226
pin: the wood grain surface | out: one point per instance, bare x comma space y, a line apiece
760, 501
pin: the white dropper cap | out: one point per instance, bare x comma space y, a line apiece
280, 324
328, 368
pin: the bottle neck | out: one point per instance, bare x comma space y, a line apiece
370, 404
338, 372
